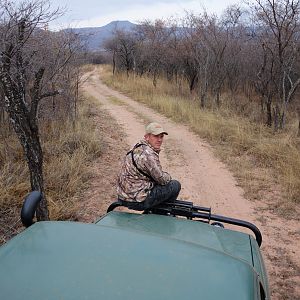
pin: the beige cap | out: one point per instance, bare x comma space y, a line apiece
155, 128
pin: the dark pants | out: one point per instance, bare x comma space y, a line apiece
157, 195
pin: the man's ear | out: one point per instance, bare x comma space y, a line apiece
146, 136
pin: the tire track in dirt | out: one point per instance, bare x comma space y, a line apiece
206, 182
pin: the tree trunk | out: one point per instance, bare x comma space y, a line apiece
114, 63
298, 114
154, 79
269, 112
30, 142
53, 102
193, 81
276, 118
76, 98
203, 95
34, 156
202, 99
282, 120
218, 98
279, 118
26, 129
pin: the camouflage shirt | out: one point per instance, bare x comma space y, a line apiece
132, 184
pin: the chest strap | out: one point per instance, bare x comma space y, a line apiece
134, 163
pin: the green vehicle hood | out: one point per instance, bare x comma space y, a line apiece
123, 257
231, 242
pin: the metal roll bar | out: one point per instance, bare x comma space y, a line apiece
196, 213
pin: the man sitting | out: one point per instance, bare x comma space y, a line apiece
142, 184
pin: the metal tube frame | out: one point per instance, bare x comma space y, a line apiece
196, 213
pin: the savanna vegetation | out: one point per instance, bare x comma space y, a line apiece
47, 137
233, 79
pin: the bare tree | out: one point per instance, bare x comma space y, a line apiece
154, 42
216, 39
198, 54
278, 33
190, 48
122, 46
228, 53
29, 65
111, 46
237, 42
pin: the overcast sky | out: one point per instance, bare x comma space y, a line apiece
95, 13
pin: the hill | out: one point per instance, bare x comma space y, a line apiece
94, 37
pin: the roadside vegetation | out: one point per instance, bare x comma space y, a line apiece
47, 139
264, 162
234, 79
69, 151
233, 83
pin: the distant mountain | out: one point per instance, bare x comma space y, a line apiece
94, 37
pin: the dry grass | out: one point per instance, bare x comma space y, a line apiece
87, 68
259, 158
69, 150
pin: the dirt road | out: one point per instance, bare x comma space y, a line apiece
206, 182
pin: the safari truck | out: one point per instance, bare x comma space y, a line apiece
176, 251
